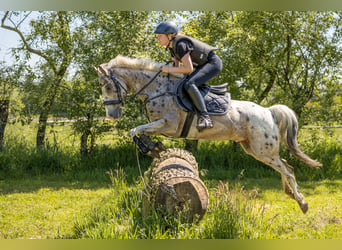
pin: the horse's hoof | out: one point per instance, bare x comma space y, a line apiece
304, 206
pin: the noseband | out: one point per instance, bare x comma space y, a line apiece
118, 87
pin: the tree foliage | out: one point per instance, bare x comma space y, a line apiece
275, 57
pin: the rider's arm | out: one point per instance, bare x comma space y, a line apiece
185, 68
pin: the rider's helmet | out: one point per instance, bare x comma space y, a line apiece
166, 27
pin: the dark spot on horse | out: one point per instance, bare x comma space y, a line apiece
163, 105
271, 144
266, 135
154, 103
252, 127
247, 119
276, 138
266, 144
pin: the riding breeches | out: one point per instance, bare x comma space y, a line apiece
205, 72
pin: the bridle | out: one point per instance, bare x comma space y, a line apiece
120, 86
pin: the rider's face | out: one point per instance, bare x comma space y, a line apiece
163, 39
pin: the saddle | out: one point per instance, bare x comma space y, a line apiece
216, 98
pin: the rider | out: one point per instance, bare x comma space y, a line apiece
193, 57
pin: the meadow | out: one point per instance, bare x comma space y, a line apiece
57, 193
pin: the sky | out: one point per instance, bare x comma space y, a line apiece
9, 39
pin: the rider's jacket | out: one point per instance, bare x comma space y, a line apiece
199, 54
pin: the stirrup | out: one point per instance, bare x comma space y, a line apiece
204, 121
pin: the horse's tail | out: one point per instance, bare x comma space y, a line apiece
287, 123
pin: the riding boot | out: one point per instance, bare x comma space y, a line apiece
204, 120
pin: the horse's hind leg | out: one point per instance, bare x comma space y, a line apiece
303, 204
287, 189
272, 159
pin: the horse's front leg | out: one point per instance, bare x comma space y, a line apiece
152, 128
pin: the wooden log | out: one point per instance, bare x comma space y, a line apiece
176, 186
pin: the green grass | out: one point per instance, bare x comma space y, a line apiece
56, 193
39, 208
234, 212
244, 209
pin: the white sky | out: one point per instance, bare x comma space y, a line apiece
10, 39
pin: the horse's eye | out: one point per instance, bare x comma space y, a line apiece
108, 87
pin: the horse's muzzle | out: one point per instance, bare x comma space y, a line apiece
113, 113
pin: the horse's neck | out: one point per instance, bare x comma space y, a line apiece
162, 83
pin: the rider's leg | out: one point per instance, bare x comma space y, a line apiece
199, 77
204, 120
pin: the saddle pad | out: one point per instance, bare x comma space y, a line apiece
216, 104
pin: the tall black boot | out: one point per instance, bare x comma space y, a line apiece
204, 120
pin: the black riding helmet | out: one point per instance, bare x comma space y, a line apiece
166, 27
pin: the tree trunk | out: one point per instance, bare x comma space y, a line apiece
4, 108
41, 129
84, 142
46, 107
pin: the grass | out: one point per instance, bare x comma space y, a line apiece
234, 213
40, 208
246, 209
55, 193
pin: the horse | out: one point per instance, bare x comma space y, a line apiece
259, 130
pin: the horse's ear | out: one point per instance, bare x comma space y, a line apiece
101, 70
96, 69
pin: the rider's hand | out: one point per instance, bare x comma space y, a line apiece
165, 69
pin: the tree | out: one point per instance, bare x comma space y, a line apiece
51, 32
6, 88
77, 41
275, 57
102, 36
9, 95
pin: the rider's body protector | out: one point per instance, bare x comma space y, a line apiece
199, 53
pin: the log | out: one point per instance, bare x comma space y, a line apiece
176, 186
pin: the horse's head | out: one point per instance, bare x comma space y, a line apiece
114, 91
123, 73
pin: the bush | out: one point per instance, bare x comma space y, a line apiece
217, 160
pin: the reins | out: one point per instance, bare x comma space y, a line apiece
144, 87
147, 187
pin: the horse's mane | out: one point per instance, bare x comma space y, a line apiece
122, 61
135, 63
